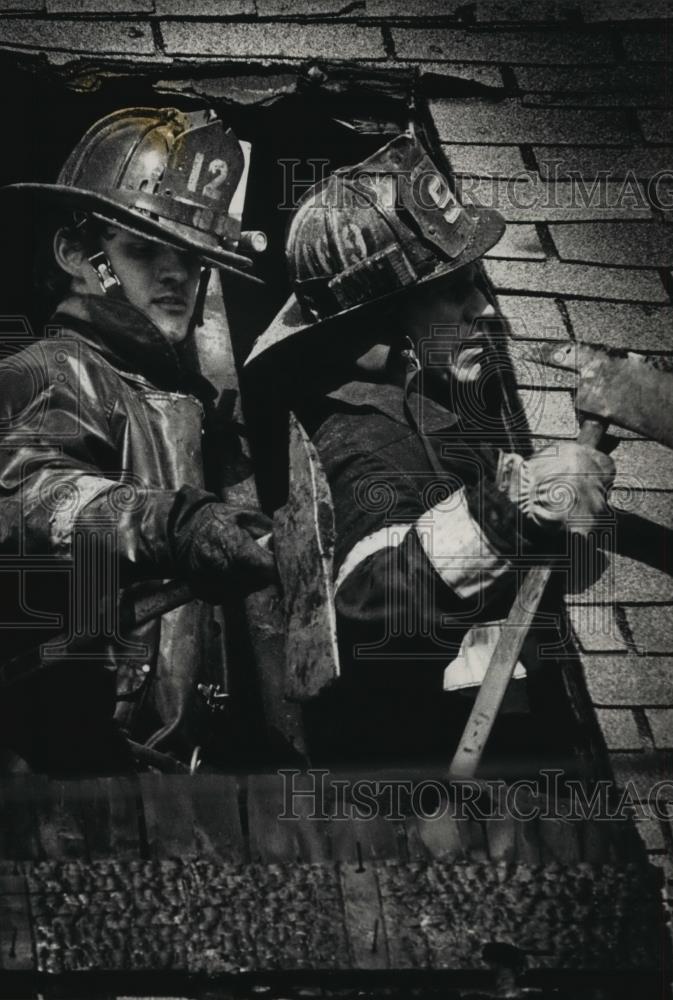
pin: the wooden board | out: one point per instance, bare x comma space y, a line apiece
216, 817
284, 827
60, 819
169, 821
225, 818
17, 952
192, 816
363, 916
19, 838
434, 838
113, 820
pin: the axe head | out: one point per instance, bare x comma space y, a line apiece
303, 532
616, 386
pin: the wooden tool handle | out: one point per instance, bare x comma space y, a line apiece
167, 597
591, 432
507, 651
499, 674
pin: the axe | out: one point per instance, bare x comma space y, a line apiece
304, 536
614, 387
304, 546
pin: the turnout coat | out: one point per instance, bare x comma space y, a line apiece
426, 554
102, 446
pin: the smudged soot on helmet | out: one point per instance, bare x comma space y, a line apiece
161, 173
370, 232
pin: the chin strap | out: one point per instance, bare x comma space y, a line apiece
413, 368
199, 304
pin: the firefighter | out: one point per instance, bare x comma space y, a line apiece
385, 346
102, 473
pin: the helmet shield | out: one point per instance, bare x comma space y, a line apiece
166, 174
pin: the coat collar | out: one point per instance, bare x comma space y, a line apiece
129, 340
431, 416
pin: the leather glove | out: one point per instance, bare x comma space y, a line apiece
563, 486
215, 548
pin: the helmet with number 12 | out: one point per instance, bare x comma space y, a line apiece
165, 174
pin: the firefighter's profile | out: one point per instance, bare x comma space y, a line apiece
102, 461
387, 343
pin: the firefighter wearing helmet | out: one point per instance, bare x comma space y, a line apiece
387, 344
102, 463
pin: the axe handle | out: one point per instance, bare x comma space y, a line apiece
503, 661
167, 597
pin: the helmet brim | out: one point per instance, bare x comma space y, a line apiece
110, 211
291, 322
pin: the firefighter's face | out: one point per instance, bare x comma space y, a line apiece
443, 321
156, 278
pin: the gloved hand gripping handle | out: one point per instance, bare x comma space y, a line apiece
487, 704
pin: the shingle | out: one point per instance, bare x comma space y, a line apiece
519, 241
557, 161
205, 8
555, 278
549, 413
502, 46
7, 6
619, 728
530, 373
661, 724
625, 10
647, 46
284, 40
629, 680
485, 161
596, 628
628, 580
529, 199
651, 627
388, 9
634, 244
308, 8
635, 97
112, 7
640, 328
485, 74
655, 507
510, 121
644, 465
128, 37
592, 80
518, 11
640, 772
532, 317
635, 86
657, 126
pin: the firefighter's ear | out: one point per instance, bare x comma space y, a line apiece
69, 253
